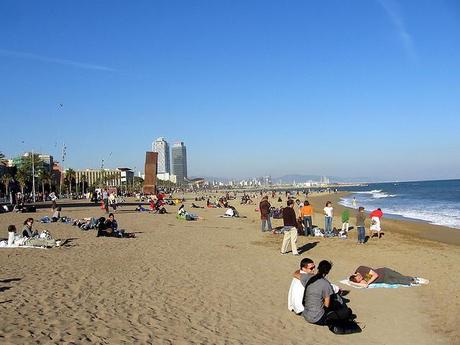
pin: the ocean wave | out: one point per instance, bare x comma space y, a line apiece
450, 218
383, 195
377, 194
441, 215
369, 191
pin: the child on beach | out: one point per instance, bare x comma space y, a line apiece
11, 235
345, 223
375, 226
56, 215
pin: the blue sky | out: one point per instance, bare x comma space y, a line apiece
366, 88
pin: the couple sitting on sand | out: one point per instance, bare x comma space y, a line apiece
30, 237
318, 301
109, 228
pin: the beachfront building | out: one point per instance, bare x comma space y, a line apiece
105, 177
45, 160
161, 146
179, 161
167, 177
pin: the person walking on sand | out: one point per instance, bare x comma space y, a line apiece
360, 226
328, 214
105, 199
289, 230
264, 208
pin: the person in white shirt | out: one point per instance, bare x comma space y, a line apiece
296, 291
297, 288
328, 214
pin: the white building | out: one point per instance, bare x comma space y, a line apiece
167, 177
162, 147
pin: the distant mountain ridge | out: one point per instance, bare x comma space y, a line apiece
297, 178
316, 178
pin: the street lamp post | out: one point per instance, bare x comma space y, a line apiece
134, 174
33, 177
63, 170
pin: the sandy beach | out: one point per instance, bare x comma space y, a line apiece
217, 281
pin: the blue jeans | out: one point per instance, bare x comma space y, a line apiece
308, 225
361, 234
328, 226
266, 224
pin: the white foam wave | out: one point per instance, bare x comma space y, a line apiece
377, 194
450, 218
444, 216
369, 192
383, 195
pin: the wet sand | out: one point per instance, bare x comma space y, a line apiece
216, 281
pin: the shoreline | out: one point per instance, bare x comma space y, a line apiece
414, 228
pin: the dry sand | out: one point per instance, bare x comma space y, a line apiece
216, 281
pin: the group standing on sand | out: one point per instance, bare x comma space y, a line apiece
304, 223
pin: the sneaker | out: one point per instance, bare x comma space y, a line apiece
298, 254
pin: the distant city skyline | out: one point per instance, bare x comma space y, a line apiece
332, 88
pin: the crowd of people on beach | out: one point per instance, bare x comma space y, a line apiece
298, 221
311, 295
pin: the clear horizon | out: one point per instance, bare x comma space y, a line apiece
253, 88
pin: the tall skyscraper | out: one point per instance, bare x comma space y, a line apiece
179, 161
162, 147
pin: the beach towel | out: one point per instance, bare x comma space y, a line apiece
376, 285
17, 244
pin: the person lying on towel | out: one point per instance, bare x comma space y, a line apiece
365, 276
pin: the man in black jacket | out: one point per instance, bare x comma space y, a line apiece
290, 230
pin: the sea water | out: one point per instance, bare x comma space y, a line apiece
436, 202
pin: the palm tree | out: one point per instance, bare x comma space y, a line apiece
22, 177
6, 178
83, 180
45, 177
70, 175
2, 159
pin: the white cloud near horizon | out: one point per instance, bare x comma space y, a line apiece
393, 11
29, 56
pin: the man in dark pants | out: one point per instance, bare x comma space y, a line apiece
264, 208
